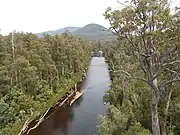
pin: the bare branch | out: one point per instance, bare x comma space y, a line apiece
170, 39
171, 63
115, 31
167, 53
137, 78
159, 72
170, 81
141, 79
124, 4
172, 71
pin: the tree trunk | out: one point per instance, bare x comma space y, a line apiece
123, 89
165, 130
62, 71
154, 111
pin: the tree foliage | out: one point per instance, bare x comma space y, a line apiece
144, 64
35, 73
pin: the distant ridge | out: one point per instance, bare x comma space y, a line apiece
94, 32
90, 32
91, 28
58, 31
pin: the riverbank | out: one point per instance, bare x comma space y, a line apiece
81, 118
66, 99
37, 74
39, 108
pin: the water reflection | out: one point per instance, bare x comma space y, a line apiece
78, 102
81, 117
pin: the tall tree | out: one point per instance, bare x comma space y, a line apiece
35, 73
146, 25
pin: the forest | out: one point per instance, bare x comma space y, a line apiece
144, 64
144, 68
35, 73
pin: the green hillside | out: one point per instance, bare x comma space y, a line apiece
94, 32
90, 32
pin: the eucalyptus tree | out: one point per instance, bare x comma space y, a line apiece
148, 29
35, 73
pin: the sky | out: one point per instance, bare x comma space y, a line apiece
43, 15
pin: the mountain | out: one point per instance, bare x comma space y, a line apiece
59, 31
91, 28
94, 32
90, 32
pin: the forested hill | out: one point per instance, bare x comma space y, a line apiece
35, 73
94, 32
58, 32
90, 32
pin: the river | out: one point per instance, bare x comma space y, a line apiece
82, 117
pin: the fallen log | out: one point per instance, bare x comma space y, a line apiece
24, 128
39, 121
70, 97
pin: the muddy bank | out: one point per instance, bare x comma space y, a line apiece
67, 100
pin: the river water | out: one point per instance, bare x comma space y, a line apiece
82, 117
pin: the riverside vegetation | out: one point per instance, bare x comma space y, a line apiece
35, 73
144, 65
145, 69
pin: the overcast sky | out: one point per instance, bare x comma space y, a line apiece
42, 15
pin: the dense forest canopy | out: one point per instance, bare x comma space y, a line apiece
144, 66
35, 73
145, 70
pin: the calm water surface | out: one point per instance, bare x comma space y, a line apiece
82, 117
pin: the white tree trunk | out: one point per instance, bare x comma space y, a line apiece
165, 128
154, 110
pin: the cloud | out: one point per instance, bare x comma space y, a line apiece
42, 15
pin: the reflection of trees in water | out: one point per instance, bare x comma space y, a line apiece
83, 87
68, 115
65, 114
61, 118
77, 102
